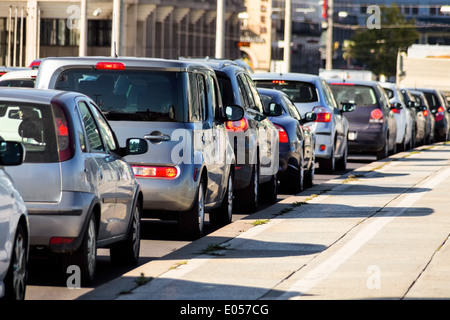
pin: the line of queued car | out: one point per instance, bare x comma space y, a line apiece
101, 142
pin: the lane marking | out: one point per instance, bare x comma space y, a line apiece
326, 268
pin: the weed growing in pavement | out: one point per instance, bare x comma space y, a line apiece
213, 249
142, 279
260, 222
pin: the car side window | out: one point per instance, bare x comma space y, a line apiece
105, 130
329, 95
92, 132
256, 98
202, 96
291, 108
245, 94
213, 95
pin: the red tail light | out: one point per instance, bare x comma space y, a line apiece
155, 172
65, 145
376, 116
425, 113
282, 134
110, 66
439, 114
322, 114
240, 125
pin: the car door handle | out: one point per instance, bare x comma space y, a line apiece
157, 137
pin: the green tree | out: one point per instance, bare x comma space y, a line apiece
378, 48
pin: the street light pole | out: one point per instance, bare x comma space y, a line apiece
287, 36
220, 30
329, 37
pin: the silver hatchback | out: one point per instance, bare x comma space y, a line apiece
79, 191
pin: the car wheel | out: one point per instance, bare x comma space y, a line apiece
297, 181
341, 164
269, 190
223, 215
309, 176
251, 194
86, 256
15, 280
328, 165
384, 153
127, 252
191, 222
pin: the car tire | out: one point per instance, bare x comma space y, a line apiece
15, 280
297, 182
192, 222
384, 152
86, 255
251, 194
309, 176
341, 164
269, 190
223, 215
328, 165
127, 252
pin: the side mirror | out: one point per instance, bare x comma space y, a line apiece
234, 113
347, 107
396, 105
11, 153
135, 146
275, 110
411, 104
309, 117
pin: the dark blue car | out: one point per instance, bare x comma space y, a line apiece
296, 142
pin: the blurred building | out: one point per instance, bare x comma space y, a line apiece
31, 29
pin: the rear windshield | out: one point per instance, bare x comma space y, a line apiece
33, 126
356, 94
130, 94
297, 91
433, 101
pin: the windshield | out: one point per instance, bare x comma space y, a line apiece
33, 126
130, 95
356, 94
297, 91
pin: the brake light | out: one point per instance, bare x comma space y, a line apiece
155, 172
439, 114
61, 240
110, 66
425, 113
376, 116
322, 114
240, 125
282, 134
65, 145
278, 81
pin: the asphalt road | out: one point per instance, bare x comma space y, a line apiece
48, 282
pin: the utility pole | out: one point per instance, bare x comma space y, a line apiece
116, 29
287, 36
220, 29
329, 38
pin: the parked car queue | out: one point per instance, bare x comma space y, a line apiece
192, 137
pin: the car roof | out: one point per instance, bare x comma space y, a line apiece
32, 95
350, 81
292, 76
22, 74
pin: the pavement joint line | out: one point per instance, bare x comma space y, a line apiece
323, 270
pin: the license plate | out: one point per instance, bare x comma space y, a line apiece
352, 135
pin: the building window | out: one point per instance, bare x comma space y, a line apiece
99, 33
54, 32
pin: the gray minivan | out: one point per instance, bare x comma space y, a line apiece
174, 105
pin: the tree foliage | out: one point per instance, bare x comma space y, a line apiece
378, 48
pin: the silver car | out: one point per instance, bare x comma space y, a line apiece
14, 229
79, 191
176, 107
312, 93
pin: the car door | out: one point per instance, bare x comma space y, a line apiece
100, 170
266, 132
125, 185
6, 212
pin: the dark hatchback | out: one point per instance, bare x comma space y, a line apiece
372, 125
441, 114
297, 143
423, 117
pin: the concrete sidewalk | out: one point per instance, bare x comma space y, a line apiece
379, 233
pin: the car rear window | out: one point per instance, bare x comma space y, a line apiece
131, 95
297, 91
357, 94
31, 125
